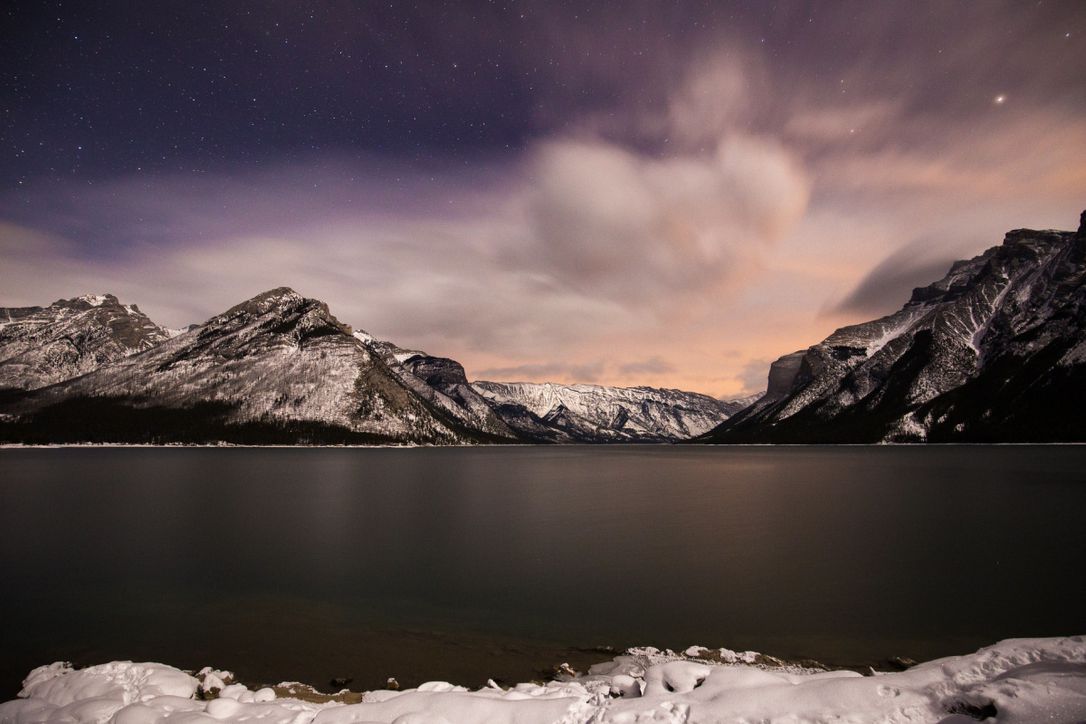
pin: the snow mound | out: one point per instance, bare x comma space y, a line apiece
59, 693
1014, 681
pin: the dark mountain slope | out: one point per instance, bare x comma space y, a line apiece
992, 352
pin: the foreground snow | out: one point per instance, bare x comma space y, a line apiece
1020, 680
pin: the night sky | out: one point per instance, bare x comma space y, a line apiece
628, 193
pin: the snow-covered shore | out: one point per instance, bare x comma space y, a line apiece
1018, 680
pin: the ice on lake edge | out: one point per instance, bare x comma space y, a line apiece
1017, 680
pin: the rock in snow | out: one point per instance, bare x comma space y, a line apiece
995, 351
1016, 681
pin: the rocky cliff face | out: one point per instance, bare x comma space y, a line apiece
995, 350
594, 413
276, 368
444, 385
40, 346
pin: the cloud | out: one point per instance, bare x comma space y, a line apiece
608, 221
543, 371
714, 97
889, 284
595, 371
654, 365
830, 123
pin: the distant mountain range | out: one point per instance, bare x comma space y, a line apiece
591, 413
995, 351
281, 369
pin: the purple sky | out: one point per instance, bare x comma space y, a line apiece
637, 193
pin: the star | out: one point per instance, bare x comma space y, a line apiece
1000, 99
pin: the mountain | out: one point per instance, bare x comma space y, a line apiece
995, 351
276, 368
280, 368
443, 383
40, 346
593, 413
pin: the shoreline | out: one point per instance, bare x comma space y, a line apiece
579, 660
1012, 680
414, 656
547, 446
343, 690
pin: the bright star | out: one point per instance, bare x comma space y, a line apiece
999, 99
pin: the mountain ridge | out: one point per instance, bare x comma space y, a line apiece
278, 367
941, 368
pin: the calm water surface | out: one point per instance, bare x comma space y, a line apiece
464, 563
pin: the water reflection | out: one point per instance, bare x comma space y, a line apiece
291, 561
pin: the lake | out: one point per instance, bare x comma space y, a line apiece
464, 563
